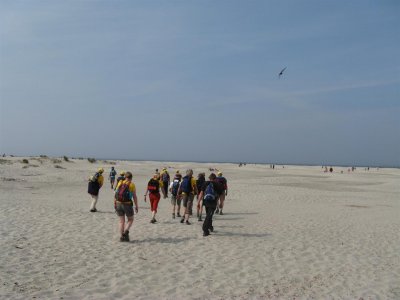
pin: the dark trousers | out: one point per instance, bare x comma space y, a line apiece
165, 187
210, 208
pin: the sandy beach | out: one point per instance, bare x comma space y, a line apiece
289, 233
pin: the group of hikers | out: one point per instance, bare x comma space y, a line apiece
209, 194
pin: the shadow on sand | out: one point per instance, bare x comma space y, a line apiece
237, 234
163, 240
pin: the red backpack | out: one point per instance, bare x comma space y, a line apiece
123, 193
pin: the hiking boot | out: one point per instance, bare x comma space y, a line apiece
122, 238
126, 235
173, 216
217, 211
188, 223
206, 233
199, 219
93, 210
182, 220
178, 215
198, 215
220, 212
152, 221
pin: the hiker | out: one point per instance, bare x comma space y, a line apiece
224, 186
120, 177
188, 189
112, 175
209, 193
124, 193
178, 175
201, 178
165, 180
94, 186
175, 197
221, 197
153, 188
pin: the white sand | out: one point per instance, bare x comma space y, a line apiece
293, 233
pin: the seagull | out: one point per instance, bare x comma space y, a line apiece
281, 73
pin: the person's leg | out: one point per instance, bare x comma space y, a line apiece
95, 198
217, 207
165, 187
178, 202
207, 221
128, 210
173, 203
129, 224
155, 205
122, 227
189, 208
221, 202
210, 224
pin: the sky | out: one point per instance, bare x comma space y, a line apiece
198, 80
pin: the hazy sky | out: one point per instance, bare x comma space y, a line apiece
198, 80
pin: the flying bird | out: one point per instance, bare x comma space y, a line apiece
281, 72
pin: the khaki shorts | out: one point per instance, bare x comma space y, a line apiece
176, 200
123, 209
188, 202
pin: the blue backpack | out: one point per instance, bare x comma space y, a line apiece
186, 185
209, 193
175, 187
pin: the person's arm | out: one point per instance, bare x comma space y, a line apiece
100, 181
226, 191
136, 202
147, 190
162, 188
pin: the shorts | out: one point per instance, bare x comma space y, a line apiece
112, 179
188, 202
176, 200
122, 209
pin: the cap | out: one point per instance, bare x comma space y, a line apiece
122, 173
101, 170
219, 173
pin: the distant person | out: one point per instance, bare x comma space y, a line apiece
94, 186
153, 189
178, 175
175, 197
331, 169
201, 178
224, 188
165, 180
188, 189
111, 176
209, 193
124, 193
120, 177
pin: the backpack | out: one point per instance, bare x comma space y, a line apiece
209, 193
123, 194
93, 185
165, 177
95, 177
222, 182
175, 187
153, 186
186, 185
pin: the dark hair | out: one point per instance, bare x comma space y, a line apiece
212, 176
128, 175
